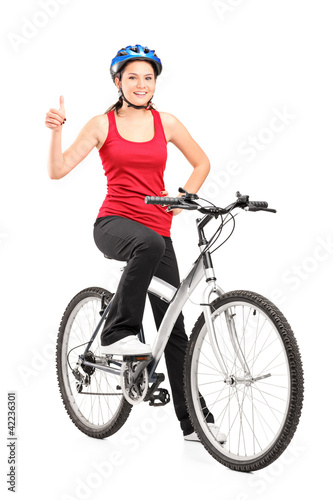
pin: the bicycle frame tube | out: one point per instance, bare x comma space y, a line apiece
203, 267
177, 298
176, 305
105, 313
188, 285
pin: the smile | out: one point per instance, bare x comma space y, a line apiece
140, 93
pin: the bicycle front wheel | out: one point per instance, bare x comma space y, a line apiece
248, 378
96, 407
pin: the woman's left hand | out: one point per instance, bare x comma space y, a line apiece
175, 211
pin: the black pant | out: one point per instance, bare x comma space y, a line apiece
147, 254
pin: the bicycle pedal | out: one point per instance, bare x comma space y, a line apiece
161, 395
134, 358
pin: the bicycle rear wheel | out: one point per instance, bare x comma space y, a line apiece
257, 403
97, 408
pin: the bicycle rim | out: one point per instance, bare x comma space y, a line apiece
252, 404
100, 404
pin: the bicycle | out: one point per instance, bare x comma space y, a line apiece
242, 371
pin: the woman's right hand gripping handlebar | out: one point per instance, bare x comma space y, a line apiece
55, 118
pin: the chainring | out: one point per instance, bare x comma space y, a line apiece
134, 393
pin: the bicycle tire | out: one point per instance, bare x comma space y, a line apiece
89, 421
245, 407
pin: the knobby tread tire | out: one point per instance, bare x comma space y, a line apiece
124, 407
296, 378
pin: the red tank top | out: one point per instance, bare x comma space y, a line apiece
135, 170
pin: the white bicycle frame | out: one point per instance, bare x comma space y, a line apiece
177, 298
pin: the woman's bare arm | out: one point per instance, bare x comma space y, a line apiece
178, 135
60, 164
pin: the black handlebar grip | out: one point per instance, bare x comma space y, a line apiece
259, 204
161, 200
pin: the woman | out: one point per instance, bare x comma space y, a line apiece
132, 138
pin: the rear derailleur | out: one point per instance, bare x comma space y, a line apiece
81, 379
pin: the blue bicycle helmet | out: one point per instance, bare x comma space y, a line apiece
134, 53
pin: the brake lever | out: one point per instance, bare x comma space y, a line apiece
259, 209
188, 196
181, 206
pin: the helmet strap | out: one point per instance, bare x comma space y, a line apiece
129, 104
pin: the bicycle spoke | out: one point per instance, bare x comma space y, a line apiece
250, 412
98, 402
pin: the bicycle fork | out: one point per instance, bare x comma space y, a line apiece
213, 288
207, 310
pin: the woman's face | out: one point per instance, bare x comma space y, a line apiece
138, 82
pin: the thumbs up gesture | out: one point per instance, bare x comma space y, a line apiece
55, 118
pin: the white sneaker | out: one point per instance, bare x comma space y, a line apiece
219, 436
129, 346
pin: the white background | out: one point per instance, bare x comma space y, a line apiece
229, 68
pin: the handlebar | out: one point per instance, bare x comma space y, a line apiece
259, 204
162, 200
186, 202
